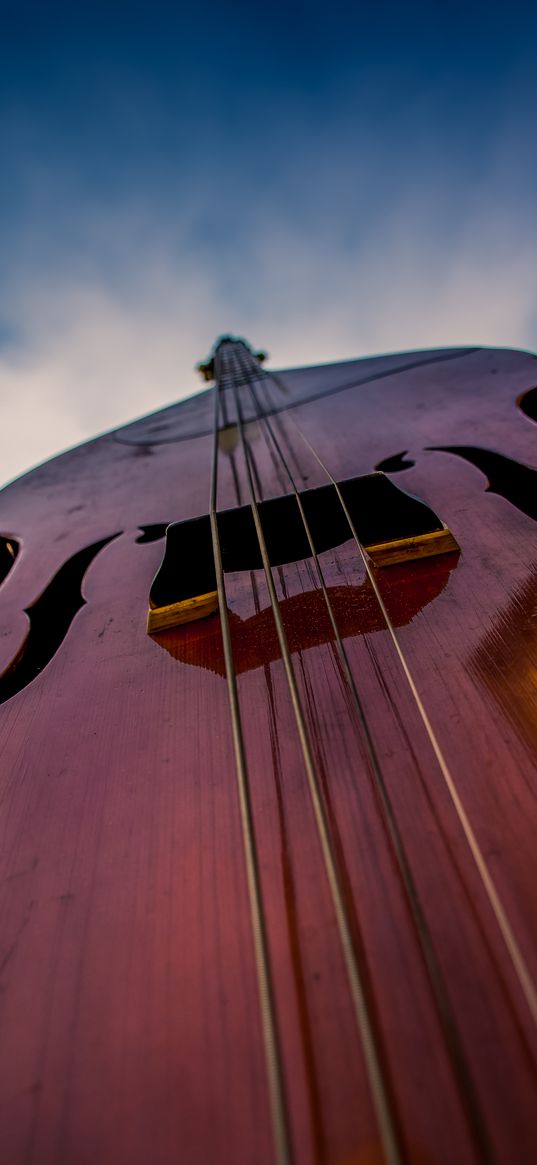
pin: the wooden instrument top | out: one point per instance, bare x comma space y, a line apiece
131, 1029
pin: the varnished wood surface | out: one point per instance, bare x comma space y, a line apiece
129, 1014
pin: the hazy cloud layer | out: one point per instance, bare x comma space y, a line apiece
90, 352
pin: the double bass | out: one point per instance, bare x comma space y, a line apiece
268, 725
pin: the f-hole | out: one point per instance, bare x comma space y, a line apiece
527, 404
50, 618
9, 549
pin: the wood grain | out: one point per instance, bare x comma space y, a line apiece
129, 1015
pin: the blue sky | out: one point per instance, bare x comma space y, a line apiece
329, 182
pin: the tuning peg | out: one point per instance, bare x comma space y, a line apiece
206, 369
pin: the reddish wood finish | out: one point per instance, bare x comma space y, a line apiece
129, 1015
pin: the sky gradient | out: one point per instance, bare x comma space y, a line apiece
329, 184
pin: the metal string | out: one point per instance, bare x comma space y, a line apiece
468, 1094
389, 1135
273, 1057
522, 971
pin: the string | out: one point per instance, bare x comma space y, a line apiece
389, 1136
280, 1121
522, 972
467, 1089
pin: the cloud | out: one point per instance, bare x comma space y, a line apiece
112, 329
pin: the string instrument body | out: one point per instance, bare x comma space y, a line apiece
132, 1025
